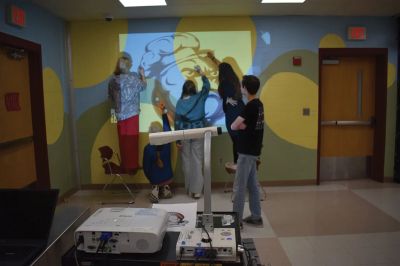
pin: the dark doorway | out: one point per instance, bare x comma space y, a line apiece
32, 139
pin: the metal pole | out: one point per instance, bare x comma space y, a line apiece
207, 218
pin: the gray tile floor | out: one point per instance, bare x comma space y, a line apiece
337, 223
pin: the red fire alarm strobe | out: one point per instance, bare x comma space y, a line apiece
297, 60
357, 33
16, 16
12, 101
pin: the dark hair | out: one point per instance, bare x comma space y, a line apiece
189, 88
251, 83
226, 73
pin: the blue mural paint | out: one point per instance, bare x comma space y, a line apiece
266, 37
301, 32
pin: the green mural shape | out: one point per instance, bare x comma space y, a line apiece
60, 160
221, 153
281, 160
88, 127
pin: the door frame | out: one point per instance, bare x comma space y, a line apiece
381, 55
34, 52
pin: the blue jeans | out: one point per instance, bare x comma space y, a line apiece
246, 177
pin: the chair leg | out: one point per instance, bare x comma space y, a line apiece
106, 185
135, 188
127, 188
226, 187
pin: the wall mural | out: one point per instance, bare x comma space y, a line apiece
169, 49
170, 60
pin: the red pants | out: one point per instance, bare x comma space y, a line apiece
128, 135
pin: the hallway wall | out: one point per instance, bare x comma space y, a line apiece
50, 32
263, 46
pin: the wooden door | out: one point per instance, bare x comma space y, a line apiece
17, 155
347, 117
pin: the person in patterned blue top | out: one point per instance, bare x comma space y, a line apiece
124, 91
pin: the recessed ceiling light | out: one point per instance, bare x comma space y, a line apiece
281, 1
129, 3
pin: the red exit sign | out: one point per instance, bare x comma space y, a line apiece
357, 33
16, 16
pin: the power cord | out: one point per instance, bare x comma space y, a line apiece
212, 253
104, 237
100, 247
80, 241
180, 255
76, 259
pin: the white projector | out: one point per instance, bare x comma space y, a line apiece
122, 230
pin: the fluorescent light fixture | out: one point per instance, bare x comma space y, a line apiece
281, 1
130, 3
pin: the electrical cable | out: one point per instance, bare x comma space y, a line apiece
99, 246
212, 253
76, 259
180, 255
104, 245
104, 237
78, 243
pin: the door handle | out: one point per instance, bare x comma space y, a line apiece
354, 123
370, 122
12, 143
329, 123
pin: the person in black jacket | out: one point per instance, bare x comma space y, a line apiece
232, 103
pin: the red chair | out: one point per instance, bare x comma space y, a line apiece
113, 169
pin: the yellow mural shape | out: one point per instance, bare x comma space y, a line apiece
108, 136
285, 96
332, 41
53, 105
391, 75
232, 39
147, 116
95, 48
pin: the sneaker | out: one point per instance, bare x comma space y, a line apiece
196, 195
153, 196
253, 221
165, 192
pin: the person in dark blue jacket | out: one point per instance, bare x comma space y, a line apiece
157, 162
231, 96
